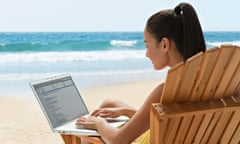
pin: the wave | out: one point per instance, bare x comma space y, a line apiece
6, 58
128, 43
91, 55
36, 76
92, 41
69, 46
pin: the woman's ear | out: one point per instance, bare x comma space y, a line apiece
165, 44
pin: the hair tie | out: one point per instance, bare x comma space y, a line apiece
178, 10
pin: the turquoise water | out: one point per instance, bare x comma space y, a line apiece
92, 58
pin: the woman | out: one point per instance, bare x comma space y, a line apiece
171, 36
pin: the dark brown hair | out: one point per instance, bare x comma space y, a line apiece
181, 25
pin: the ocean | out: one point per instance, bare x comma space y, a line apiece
92, 58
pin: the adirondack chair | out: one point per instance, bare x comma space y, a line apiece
200, 101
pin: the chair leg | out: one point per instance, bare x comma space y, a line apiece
93, 140
71, 139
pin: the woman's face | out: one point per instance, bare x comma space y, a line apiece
155, 51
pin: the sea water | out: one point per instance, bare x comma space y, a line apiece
92, 58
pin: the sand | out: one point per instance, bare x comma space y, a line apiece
23, 122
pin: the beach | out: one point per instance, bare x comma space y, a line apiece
23, 122
102, 64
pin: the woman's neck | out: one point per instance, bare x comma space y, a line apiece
174, 56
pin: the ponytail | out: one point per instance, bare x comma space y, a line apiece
193, 39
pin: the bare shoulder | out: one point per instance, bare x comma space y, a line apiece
159, 88
156, 93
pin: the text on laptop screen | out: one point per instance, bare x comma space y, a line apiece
61, 100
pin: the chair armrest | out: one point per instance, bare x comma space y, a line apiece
182, 109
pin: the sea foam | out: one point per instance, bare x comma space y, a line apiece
125, 43
71, 56
36, 76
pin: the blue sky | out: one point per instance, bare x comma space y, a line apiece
108, 15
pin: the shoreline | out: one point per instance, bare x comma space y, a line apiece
23, 121
22, 88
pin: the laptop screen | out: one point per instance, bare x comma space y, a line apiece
60, 100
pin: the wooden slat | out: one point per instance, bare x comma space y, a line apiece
71, 139
193, 128
232, 125
236, 98
152, 124
237, 90
202, 128
236, 137
172, 83
154, 128
228, 73
188, 78
206, 69
231, 89
172, 130
93, 140
67, 139
210, 128
163, 128
158, 126
222, 61
220, 127
183, 129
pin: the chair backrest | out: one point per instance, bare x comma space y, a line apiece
208, 76
211, 75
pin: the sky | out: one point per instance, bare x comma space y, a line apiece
107, 15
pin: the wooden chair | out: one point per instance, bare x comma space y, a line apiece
200, 101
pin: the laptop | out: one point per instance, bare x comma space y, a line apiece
62, 105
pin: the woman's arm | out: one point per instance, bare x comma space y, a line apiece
140, 121
128, 112
132, 129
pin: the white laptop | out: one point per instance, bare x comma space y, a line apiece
62, 105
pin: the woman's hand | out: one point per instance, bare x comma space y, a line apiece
90, 122
114, 112
108, 112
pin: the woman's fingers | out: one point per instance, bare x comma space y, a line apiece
106, 112
87, 122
